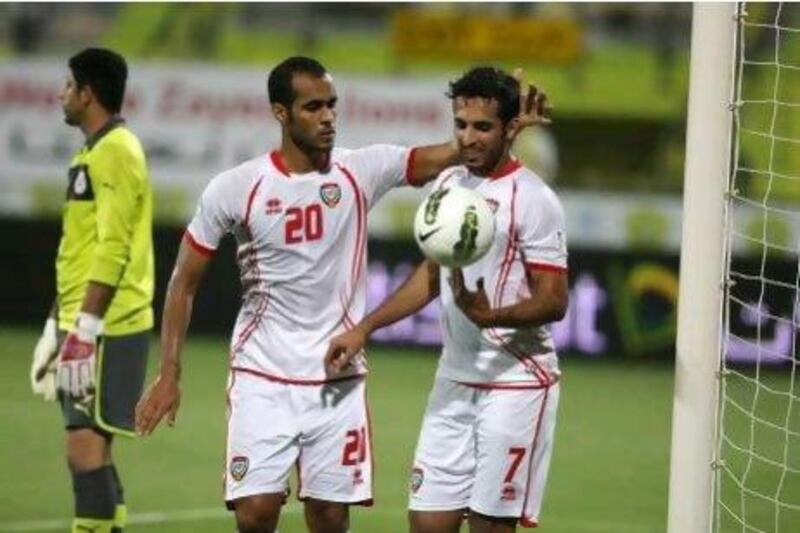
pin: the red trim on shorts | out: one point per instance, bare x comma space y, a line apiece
229, 415
546, 267
410, 167
199, 248
505, 170
497, 385
277, 162
290, 381
524, 520
369, 502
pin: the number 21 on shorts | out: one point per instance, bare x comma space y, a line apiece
355, 447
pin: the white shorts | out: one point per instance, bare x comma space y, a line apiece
485, 449
323, 430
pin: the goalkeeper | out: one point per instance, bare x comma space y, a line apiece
104, 277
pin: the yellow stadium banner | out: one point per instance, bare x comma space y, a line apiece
486, 38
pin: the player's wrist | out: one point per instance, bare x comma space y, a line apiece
89, 326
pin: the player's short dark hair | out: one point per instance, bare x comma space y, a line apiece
105, 72
279, 84
492, 83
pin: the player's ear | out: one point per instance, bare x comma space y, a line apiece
512, 128
280, 113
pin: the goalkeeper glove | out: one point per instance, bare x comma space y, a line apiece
76, 361
43, 372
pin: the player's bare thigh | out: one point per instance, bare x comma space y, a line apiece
327, 517
435, 521
258, 513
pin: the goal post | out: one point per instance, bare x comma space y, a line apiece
703, 252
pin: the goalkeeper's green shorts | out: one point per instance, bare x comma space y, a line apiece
121, 368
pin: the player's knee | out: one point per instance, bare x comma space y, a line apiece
327, 517
256, 515
86, 450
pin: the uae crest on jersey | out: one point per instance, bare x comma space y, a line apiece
239, 466
493, 204
330, 193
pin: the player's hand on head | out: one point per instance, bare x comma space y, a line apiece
343, 348
43, 371
534, 109
76, 366
473, 304
162, 398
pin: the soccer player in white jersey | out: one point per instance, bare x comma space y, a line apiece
486, 438
298, 215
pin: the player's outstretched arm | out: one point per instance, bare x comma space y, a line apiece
534, 110
163, 396
547, 303
415, 293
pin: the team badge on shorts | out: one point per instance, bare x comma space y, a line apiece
330, 193
509, 493
417, 477
239, 466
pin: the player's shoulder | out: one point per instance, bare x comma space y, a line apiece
121, 142
532, 185
240, 177
454, 175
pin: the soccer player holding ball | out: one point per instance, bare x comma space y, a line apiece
92, 354
299, 216
487, 434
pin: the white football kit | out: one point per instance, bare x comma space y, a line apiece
487, 434
302, 258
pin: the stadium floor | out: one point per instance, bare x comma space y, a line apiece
609, 471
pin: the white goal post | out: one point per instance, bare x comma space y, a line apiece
702, 262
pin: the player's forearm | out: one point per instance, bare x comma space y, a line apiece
415, 293
97, 298
531, 312
429, 161
174, 324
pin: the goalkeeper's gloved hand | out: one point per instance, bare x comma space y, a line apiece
76, 360
43, 372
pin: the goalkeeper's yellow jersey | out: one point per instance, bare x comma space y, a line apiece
107, 231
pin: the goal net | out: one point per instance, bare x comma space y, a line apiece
757, 457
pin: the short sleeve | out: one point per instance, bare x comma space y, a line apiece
542, 231
379, 168
217, 213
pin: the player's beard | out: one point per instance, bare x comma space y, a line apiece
489, 160
71, 118
308, 144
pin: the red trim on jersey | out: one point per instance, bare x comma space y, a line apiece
360, 248
277, 162
505, 170
199, 248
290, 381
524, 520
250, 198
499, 385
412, 157
254, 322
546, 267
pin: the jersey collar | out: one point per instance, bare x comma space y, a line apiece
512, 165
112, 123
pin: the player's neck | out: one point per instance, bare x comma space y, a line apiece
497, 168
298, 161
94, 122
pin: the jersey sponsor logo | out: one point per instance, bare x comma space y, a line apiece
274, 206
417, 477
80, 186
239, 466
494, 205
509, 493
330, 193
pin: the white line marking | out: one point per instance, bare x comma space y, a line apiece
219, 513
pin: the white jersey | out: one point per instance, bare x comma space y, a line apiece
529, 234
302, 242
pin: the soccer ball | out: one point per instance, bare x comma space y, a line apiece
454, 226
